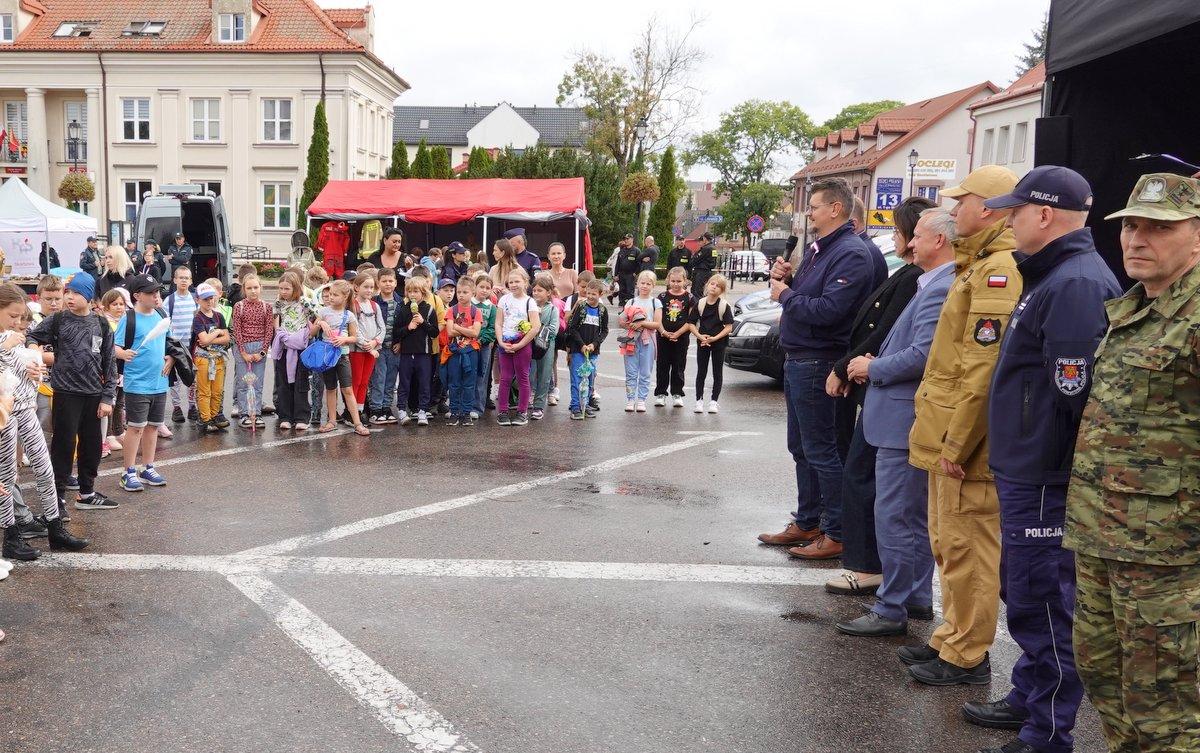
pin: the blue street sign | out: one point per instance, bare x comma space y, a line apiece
756, 224
709, 218
888, 192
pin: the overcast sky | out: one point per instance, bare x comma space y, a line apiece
817, 55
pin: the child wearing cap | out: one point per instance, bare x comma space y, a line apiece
210, 343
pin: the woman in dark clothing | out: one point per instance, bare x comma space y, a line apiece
118, 270
391, 256
152, 262
871, 327
48, 259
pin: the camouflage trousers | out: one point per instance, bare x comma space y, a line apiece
1136, 652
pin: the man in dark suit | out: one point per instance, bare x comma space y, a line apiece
902, 490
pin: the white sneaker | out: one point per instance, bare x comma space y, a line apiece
114, 443
713, 407
474, 415
641, 406
660, 400
422, 418
5, 566
699, 406
164, 432
630, 406
404, 418
678, 402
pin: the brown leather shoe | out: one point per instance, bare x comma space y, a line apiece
793, 535
822, 548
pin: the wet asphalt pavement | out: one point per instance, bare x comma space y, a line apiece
497, 598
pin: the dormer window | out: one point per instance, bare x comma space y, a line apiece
7, 28
232, 27
76, 28
144, 29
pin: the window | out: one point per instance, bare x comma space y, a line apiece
928, 192
79, 206
1019, 139
76, 28
144, 28
232, 27
206, 120
210, 186
75, 111
135, 119
277, 120
134, 190
7, 28
1002, 146
16, 123
989, 137
277, 205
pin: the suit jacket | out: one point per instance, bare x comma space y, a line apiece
875, 319
896, 373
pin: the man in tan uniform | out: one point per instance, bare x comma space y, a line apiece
949, 437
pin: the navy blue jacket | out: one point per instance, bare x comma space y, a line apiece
1044, 371
833, 282
878, 263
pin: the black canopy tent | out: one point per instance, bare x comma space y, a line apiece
1119, 84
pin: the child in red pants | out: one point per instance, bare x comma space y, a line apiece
370, 336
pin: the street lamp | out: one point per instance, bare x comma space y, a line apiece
73, 144
912, 170
643, 125
808, 182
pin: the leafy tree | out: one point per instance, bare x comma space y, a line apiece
762, 199
422, 165
855, 115
318, 165
748, 142
76, 188
441, 163
611, 218
1035, 51
656, 85
565, 164
661, 222
399, 166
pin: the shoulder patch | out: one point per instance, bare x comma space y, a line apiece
987, 331
997, 281
1070, 375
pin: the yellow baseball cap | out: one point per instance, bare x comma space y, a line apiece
988, 182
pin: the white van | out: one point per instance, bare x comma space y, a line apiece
200, 216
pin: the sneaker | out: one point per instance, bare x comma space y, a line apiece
105, 450
129, 481
152, 477
594, 404
177, 415
212, 427
377, 419
164, 432
576, 415
236, 412
591, 411
713, 407
193, 414
389, 416
552, 398
503, 418
404, 418
344, 419
630, 406
452, 420
63, 511
114, 444
221, 421
268, 410
536, 414
422, 418
72, 483
520, 419
474, 415
96, 501
678, 401
259, 422
699, 406
245, 422
34, 529
301, 426
660, 401
641, 406
285, 425
466, 421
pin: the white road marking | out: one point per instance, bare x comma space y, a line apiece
395, 704
381, 521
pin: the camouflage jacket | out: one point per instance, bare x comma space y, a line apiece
952, 402
1135, 484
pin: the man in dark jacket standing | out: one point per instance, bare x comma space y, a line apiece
650, 254
179, 254
679, 256
48, 259
704, 262
89, 260
833, 281
629, 264
1039, 389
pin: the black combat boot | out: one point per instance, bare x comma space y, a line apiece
15, 547
61, 538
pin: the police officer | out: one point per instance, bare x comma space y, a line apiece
1133, 508
526, 259
703, 264
679, 256
135, 256
179, 254
89, 258
629, 263
1039, 388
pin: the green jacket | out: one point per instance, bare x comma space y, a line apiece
1135, 485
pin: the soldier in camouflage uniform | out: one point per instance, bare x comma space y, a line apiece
1133, 509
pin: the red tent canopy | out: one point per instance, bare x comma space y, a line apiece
446, 202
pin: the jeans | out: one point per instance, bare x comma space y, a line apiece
460, 377
861, 552
638, 367
483, 376
576, 361
240, 369
902, 528
543, 368
812, 441
382, 390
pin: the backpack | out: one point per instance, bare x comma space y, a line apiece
321, 355
722, 307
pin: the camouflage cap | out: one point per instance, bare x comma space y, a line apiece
1162, 196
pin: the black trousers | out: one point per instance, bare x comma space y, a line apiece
843, 421
74, 418
715, 353
291, 399
672, 362
861, 552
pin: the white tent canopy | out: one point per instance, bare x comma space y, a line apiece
28, 220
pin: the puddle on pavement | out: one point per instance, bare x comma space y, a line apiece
663, 493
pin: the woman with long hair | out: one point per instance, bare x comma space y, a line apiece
506, 261
117, 271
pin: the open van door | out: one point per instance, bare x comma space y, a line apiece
224, 243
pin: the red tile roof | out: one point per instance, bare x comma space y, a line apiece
286, 26
347, 18
1030, 82
909, 120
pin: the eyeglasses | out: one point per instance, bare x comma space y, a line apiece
813, 207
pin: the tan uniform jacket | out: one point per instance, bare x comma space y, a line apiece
951, 403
